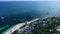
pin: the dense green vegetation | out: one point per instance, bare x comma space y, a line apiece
46, 28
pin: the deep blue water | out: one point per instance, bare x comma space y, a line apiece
21, 11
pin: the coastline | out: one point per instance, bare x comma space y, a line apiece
17, 26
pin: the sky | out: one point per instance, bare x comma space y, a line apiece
29, 0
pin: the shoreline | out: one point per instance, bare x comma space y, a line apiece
17, 26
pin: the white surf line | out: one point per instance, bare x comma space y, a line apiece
16, 27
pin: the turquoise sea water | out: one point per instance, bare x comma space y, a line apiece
14, 12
